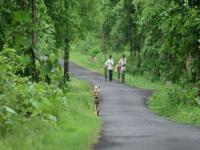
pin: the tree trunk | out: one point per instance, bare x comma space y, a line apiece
138, 59
33, 71
132, 52
22, 8
66, 61
188, 67
104, 45
22, 4
199, 68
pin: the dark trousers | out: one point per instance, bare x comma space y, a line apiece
123, 76
105, 71
118, 74
110, 72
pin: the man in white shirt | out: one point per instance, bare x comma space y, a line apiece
109, 64
122, 63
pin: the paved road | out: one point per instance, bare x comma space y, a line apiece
129, 125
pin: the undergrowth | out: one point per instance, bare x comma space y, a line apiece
41, 116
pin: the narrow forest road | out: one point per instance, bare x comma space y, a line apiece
129, 125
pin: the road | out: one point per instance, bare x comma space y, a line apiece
129, 125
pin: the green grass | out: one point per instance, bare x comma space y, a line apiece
77, 127
85, 61
158, 103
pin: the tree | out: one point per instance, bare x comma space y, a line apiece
33, 56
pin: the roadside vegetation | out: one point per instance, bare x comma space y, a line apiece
41, 107
41, 116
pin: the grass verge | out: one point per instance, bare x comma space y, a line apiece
77, 128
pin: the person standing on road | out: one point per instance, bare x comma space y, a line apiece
122, 63
109, 64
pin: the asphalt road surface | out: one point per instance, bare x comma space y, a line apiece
129, 125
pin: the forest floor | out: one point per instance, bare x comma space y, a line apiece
128, 124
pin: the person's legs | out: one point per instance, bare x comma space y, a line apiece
105, 71
118, 74
110, 75
123, 76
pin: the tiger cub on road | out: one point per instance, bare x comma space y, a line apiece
96, 98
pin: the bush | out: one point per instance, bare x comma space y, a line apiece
90, 45
21, 98
43, 113
94, 52
183, 95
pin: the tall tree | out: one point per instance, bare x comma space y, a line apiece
130, 25
33, 10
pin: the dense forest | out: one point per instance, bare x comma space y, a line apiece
161, 36
45, 29
160, 39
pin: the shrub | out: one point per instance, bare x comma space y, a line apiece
22, 100
180, 95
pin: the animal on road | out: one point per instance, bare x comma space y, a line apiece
96, 97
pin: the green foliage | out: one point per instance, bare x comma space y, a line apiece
55, 119
33, 36
22, 16
94, 52
183, 96
7, 115
89, 45
44, 114
18, 95
161, 36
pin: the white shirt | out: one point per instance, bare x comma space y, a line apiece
109, 63
122, 63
